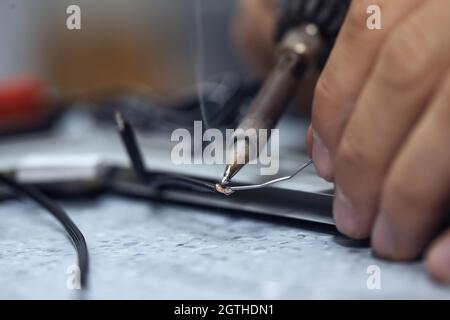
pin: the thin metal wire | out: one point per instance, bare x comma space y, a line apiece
268, 183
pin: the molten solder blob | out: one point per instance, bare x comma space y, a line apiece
224, 190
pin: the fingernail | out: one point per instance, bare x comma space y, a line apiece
384, 237
344, 214
321, 158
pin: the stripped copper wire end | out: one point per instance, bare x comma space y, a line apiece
224, 190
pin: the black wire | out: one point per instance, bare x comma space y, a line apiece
74, 233
224, 96
156, 180
161, 181
129, 140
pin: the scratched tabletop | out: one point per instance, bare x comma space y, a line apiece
145, 250
141, 249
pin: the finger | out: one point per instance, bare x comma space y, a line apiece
438, 259
252, 30
309, 141
417, 187
408, 68
344, 75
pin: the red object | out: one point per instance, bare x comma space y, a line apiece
21, 103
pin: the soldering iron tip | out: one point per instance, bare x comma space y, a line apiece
224, 181
226, 176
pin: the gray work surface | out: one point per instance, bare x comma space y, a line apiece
149, 250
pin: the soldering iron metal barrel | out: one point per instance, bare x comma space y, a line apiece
297, 56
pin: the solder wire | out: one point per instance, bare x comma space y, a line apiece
268, 183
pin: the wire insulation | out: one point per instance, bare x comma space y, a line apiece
154, 179
74, 233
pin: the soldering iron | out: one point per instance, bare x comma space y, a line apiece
305, 33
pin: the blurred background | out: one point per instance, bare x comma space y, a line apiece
133, 42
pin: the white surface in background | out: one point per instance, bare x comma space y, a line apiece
59, 168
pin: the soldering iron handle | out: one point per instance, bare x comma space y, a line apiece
327, 15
